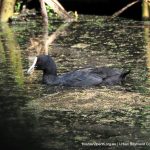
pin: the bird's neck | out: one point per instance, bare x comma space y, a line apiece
50, 79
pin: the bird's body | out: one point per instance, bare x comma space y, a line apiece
82, 77
79, 78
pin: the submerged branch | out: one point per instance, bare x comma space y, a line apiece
57, 33
44, 12
123, 9
40, 44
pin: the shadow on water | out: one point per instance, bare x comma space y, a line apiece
34, 116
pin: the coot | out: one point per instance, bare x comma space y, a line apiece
78, 78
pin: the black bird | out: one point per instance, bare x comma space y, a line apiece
78, 78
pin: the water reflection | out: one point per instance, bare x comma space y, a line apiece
146, 35
34, 116
15, 126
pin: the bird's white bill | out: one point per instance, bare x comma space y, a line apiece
31, 69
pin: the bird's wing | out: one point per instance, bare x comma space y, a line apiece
83, 77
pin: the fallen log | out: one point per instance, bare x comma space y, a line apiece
59, 9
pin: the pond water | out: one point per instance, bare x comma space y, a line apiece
36, 116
